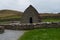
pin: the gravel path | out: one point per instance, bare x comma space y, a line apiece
11, 35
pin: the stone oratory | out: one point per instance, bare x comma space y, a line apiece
30, 15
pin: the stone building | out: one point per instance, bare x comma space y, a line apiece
30, 15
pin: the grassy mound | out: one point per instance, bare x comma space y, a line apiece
42, 34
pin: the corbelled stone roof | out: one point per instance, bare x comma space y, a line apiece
30, 12
32, 9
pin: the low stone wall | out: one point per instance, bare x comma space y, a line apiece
32, 26
18, 27
1, 29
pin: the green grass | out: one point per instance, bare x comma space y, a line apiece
9, 18
51, 20
42, 34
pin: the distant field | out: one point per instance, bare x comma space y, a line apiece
10, 18
51, 20
18, 17
42, 34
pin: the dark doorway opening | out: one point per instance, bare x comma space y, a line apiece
31, 20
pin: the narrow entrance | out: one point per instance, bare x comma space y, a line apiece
31, 20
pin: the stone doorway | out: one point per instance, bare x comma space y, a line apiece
30, 20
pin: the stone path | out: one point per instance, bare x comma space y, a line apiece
11, 35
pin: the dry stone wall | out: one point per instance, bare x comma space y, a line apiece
32, 26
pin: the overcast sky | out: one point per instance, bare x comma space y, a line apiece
40, 5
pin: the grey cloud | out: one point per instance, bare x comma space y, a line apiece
40, 5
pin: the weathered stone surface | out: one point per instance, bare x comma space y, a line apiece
30, 12
1, 29
32, 26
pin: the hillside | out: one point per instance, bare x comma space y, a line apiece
9, 13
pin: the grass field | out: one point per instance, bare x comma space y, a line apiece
42, 34
51, 20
